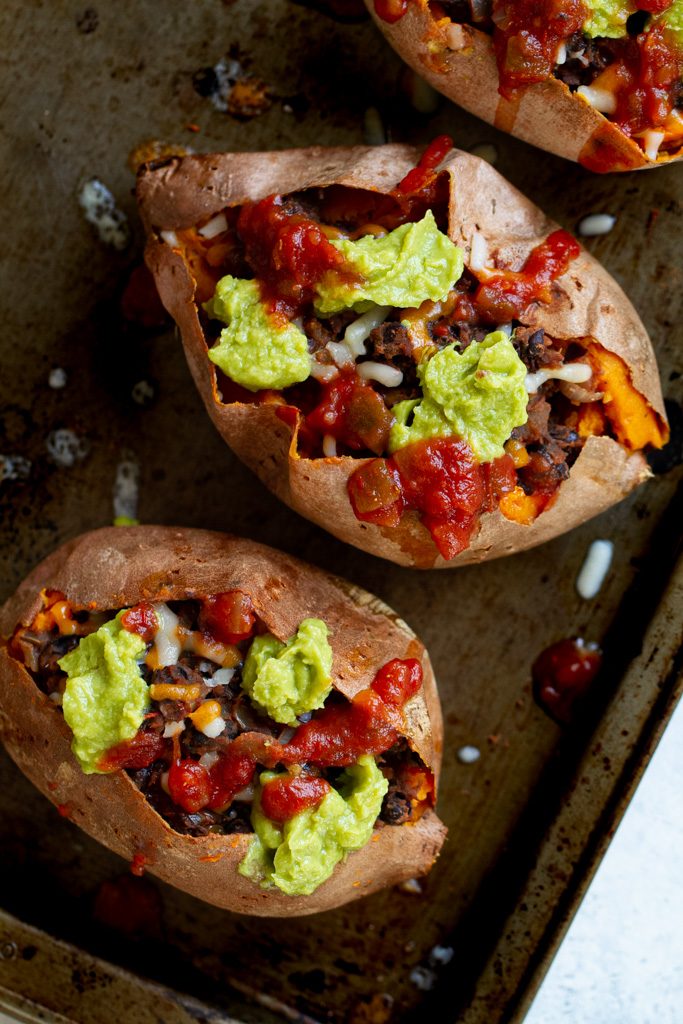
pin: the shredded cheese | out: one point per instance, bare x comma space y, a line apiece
357, 333
166, 643
594, 569
389, 376
575, 373
323, 372
172, 729
602, 99
216, 226
651, 142
329, 447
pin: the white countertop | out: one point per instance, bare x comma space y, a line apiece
622, 959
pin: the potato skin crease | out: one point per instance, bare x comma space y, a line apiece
548, 114
116, 567
586, 303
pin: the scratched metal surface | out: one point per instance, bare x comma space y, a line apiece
81, 87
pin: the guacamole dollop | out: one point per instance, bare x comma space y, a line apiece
608, 17
105, 698
254, 350
300, 855
403, 268
477, 395
287, 680
672, 20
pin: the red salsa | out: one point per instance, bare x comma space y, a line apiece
336, 736
642, 71
229, 617
288, 252
140, 752
141, 619
439, 478
287, 795
527, 38
194, 787
353, 413
505, 295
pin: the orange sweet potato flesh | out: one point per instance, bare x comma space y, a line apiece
585, 304
635, 423
117, 567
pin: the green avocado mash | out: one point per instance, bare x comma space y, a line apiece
672, 19
478, 396
287, 680
105, 697
300, 855
412, 263
608, 17
254, 350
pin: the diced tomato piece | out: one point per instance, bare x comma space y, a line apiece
398, 681
452, 535
419, 176
288, 795
375, 493
440, 476
391, 11
501, 478
141, 751
141, 619
189, 785
562, 675
231, 773
228, 617
353, 413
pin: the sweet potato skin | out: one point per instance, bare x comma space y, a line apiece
115, 567
586, 303
462, 65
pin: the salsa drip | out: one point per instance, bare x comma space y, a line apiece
192, 780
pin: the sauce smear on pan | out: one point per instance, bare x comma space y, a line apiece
562, 674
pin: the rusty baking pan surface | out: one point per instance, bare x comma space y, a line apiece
83, 88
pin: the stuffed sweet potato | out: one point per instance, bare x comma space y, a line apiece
248, 728
405, 350
598, 81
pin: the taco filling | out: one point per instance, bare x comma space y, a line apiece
624, 57
353, 314
227, 729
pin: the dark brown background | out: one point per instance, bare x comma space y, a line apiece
527, 821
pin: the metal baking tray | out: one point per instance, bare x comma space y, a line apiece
82, 87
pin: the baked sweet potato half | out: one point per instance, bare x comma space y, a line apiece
597, 82
404, 349
251, 730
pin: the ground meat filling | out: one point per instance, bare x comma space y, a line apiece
586, 59
177, 738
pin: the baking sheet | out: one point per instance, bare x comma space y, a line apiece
82, 88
